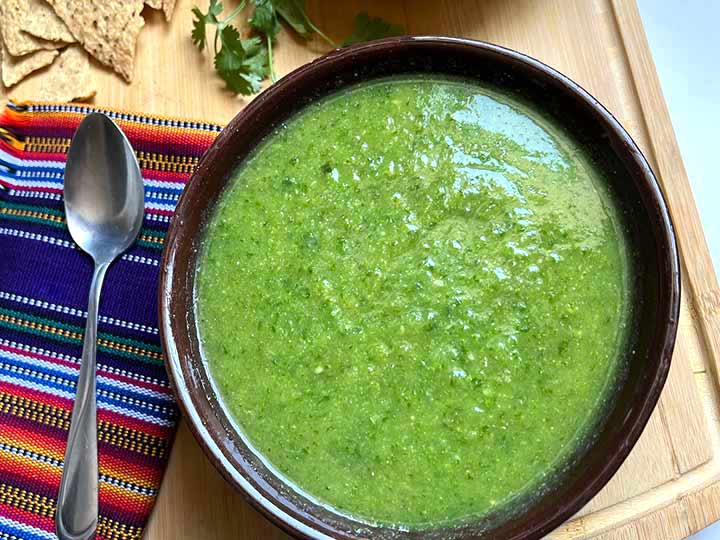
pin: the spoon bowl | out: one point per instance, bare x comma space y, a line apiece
103, 189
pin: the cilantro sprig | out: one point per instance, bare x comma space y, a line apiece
241, 63
244, 63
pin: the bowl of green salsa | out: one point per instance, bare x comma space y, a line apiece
420, 288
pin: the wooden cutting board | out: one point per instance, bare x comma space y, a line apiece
670, 485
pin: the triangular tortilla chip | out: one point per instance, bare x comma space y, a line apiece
18, 43
108, 29
69, 78
42, 22
16, 68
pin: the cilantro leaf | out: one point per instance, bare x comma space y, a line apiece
370, 28
199, 37
214, 9
201, 20
256, 57
265, 19
230, 39
241, 82
253, 70
231, 54
293, 13
252, 46
242, 64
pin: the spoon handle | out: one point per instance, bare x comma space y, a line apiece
77, 505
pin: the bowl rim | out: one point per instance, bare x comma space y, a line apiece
269, 504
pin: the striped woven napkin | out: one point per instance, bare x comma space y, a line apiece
44, 282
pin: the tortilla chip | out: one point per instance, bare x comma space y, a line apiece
41, 21
16, 68
13, 13
168, 8
108, 29
69, 78
155, 4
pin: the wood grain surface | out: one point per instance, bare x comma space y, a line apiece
669, 487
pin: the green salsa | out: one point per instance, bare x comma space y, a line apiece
412, 299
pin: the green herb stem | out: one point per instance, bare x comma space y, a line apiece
232, 15
273, 75
321, 34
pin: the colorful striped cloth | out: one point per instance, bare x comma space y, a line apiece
44, 281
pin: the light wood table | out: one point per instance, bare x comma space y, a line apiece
669, 487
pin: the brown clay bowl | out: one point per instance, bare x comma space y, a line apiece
656, 291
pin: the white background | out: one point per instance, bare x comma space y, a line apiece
685, 44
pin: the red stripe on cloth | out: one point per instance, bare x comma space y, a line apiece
116, 503
26, 433
104, 415
16, 187
104, 372
172, 177
34, 476
144, 137
27, 518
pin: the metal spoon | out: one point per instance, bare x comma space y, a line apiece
104, 204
